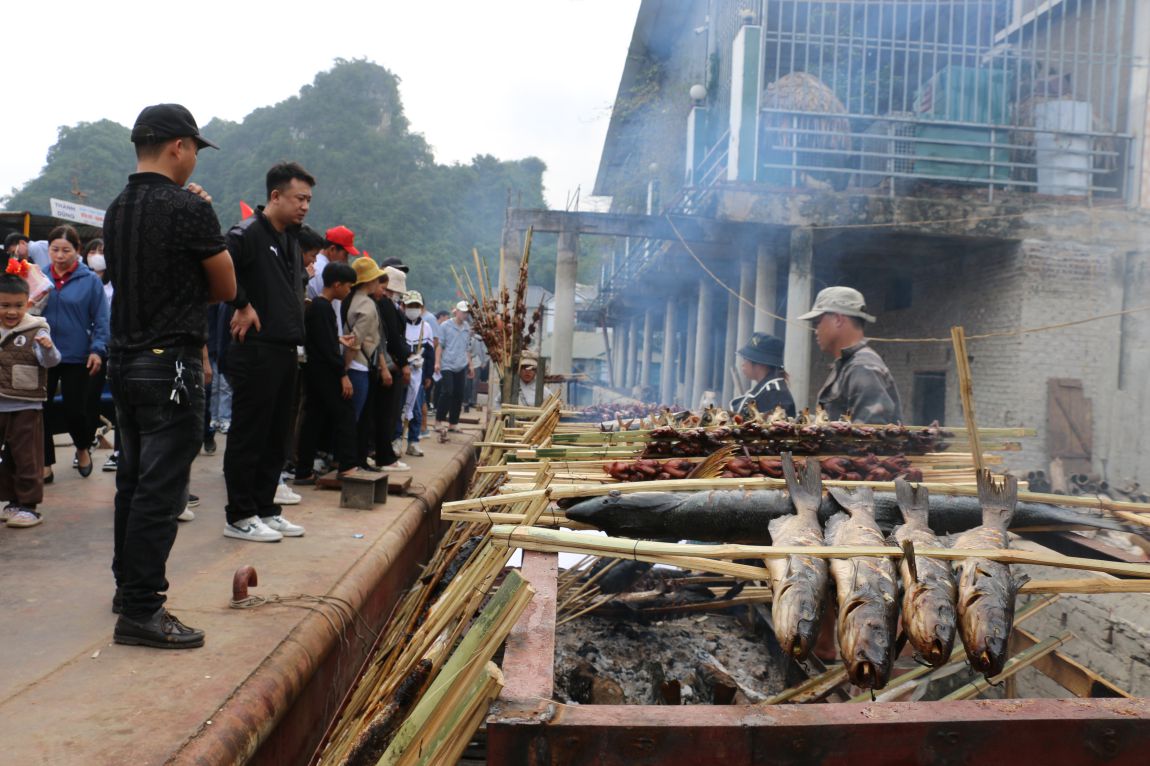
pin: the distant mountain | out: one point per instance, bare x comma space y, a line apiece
373, 174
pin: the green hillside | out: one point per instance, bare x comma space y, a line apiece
373, 174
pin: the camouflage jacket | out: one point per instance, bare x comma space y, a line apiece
861, 384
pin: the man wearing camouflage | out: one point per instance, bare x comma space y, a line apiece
859, 383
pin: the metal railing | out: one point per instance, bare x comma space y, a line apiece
644, 252
1001, 93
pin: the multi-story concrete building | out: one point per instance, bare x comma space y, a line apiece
977, 163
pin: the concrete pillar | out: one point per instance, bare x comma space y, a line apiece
648, 331
512, 252
746, 72
797, 356
689, 349
667, 369
766, 288
730, 346
747, 305
632, 353
618, 353
566, 264
704, 343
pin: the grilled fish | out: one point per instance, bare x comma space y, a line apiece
867, 592
800, 582
928, 592
986, 590
743, 516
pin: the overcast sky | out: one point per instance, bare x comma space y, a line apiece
512, 78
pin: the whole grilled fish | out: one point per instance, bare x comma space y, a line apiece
928, 592
744, 515
799, 582
986, 591
867, 592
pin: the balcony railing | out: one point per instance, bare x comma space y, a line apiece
898, 93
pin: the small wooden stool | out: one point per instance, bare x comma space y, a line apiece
363, 490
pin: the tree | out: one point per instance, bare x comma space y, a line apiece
374, 174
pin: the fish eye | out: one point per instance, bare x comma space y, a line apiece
615, 493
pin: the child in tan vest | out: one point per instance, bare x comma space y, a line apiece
26, 351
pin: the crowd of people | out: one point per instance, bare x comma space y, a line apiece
311, 356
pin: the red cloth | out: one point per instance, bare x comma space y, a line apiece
58, 278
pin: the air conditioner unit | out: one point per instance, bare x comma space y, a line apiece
882, 153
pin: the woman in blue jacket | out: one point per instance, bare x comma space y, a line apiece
77, 312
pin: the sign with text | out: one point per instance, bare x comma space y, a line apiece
70, 211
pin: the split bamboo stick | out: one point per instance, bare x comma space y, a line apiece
694, 485
534, 538
1016, 663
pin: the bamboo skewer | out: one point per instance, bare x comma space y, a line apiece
534, 538
690, 485
1016, 663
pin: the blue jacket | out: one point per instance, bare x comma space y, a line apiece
78, 316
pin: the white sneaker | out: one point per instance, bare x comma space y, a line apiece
413, 450
186, 515
254, 529
398, 465
285, 496
282, 525
397, 446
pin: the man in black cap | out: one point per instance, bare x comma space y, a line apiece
167, 260
761, 362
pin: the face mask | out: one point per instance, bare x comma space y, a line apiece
413, 314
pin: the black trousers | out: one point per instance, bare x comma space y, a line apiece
263, 381
159, 440
451, 395
73, 382
326, 410
383, 413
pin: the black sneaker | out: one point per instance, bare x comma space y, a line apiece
112, 463
210, 444
161, 631
193, 500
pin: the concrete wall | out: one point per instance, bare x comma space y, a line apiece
992, 288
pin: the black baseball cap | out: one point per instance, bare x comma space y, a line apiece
163, 122
395, 263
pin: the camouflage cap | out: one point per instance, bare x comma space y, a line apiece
839, 300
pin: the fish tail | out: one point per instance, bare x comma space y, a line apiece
913, 501
998, 499
854, 501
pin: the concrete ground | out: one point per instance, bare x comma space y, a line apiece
68, 695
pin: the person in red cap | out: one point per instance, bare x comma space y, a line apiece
340, 243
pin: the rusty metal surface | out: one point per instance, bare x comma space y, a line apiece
279, 715
999, 731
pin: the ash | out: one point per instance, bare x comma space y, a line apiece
626, 658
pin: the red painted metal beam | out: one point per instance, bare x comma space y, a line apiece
1046, 731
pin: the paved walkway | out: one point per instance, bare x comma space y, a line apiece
68, 695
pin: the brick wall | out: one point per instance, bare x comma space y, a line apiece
990, 288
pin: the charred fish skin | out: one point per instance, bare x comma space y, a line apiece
986, 590
799, 582
929, 594
744, 515
867, 591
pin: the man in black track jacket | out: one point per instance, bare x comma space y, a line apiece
262, 366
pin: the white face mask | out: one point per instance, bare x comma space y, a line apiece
413, 314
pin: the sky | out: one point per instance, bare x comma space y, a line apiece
511, 78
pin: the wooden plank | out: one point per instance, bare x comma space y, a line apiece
1070, 428
1067, 672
